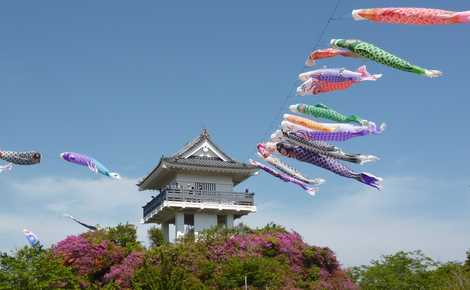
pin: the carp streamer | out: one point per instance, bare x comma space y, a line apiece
19, 158
284, 177
332, 79
408, 15
90, 227
318, 147
266, 156
379, 55
31, 237
302, 154
92, 164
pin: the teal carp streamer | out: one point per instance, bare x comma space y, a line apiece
324, 112
379, 55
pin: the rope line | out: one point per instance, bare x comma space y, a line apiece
302, 69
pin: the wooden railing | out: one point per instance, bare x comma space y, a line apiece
200, 196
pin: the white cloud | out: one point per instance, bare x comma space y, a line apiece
410, 213
39, 205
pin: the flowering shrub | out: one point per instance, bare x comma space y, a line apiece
318, 266
123, 273
270, 257
87, 258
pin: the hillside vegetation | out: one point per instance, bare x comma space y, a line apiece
269, 258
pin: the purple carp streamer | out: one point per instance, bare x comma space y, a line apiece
327, 163
284, 177
92, 164
330, 136
350, 127
336, 75
19, 158
318, 147
266, 156
90, 227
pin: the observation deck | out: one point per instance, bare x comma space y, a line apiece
163, 206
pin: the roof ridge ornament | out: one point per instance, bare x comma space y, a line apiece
201, 155
205, 133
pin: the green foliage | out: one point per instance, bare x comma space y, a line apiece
411, 270
124, 236
156, 237
162, 271
450, 276
34, 268
467, 261
221, 233
403, 270
261, 272
270, 257
271, 228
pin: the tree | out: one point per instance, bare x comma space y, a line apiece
411, 270
450, 276
403, 270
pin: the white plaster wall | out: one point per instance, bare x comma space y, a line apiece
179, 225
223, 183
166, 231
204, 221
229, 221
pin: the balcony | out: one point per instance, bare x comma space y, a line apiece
200, 199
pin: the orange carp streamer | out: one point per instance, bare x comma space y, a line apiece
327, 53
417, 16
308, 123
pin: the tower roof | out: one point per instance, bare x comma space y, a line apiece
200, 155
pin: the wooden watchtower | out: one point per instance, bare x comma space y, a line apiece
195, 189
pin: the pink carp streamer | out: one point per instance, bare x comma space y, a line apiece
332, 79
327, 53
284, 177
409, 15
266, 155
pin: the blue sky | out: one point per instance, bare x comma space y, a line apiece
127, 82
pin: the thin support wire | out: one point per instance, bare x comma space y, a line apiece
293, 86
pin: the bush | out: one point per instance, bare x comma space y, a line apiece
156, 237
219, 259
411, 270
261, 272
35, 268
161, 270
124, 236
